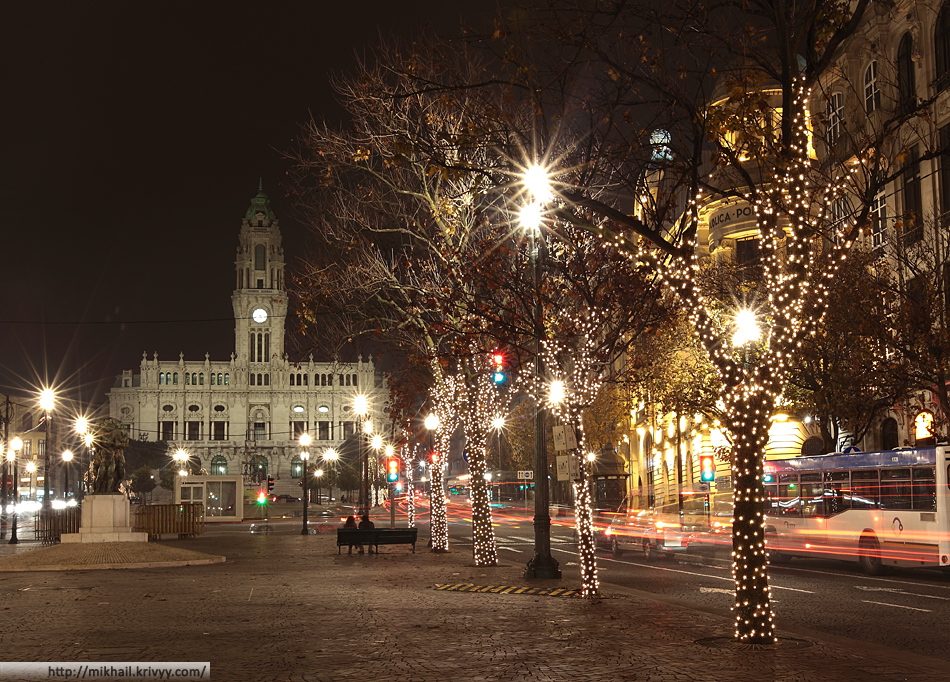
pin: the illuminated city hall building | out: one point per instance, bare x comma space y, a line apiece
245, 414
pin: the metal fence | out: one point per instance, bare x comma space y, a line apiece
52, 523
184, 520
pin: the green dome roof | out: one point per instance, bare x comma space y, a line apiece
260, 204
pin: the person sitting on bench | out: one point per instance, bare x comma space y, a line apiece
365, 523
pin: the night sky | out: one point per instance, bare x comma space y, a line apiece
134, 137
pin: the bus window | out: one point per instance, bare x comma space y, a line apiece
925, 489
813, 498
788, 502
864, 489
895, 489
837, 497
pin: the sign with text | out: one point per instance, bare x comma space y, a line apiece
568, 468
564, 438
526, 475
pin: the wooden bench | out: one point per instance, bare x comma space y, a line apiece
374, 537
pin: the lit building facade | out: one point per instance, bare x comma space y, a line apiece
892, 75
245, 414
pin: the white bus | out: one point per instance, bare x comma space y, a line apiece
880, 509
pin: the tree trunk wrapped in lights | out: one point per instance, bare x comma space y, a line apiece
584, 523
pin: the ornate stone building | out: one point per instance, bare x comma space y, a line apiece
244, 414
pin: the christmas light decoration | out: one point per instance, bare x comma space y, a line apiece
579, 370
802, 245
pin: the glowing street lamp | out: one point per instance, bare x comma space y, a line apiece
67, 458
47, 401
31, 470
746, 328
556, 392
498, 423
361, 408
305, 441
537, 183
182, 458
12, 453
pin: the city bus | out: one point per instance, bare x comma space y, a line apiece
880, 509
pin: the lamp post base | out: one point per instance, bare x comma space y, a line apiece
544, 567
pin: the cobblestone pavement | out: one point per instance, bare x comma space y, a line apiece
288, 607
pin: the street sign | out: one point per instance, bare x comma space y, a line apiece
564, 438
526, 475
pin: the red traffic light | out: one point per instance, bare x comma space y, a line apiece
707, 468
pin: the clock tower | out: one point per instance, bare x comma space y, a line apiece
259, 299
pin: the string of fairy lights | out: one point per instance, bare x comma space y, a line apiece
799, 257
577, 377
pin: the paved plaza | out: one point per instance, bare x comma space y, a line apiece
287, 607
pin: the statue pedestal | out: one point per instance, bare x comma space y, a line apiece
105, 518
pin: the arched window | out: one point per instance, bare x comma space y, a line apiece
260, 257
296, 467
187, 379
201, 379
175, 379
293, 379
219, 379
872, 89
212, 379
889, 434
161, 378
252, 379
834, 118
354, 380
267, 379
815, 445
942, 48
906, 80
227, 380
219, 466
259, 467
329, 379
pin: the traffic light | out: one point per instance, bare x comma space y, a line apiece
261, 497
498, 362
707, 468
270, 483
392, 469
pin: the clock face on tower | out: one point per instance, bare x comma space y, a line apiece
259, 315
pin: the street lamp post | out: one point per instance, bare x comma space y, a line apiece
542, 564
431, 423
318, 474
305, 441
330, 458
15, 446
498, 423
361, 408
82, 428
67, 458
31, 469
375, 442
47, 400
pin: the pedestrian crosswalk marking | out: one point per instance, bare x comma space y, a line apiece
509, 589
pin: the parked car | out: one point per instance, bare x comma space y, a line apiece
285, 498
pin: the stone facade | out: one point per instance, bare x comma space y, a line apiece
244, 414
